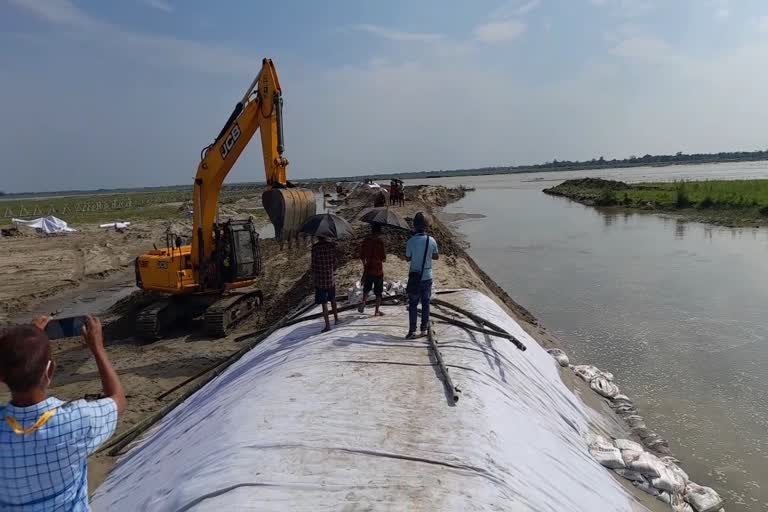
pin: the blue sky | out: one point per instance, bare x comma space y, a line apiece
125, 93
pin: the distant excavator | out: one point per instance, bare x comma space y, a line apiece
216, 274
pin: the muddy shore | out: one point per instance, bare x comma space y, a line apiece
94, 259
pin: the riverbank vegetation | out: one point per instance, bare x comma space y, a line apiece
730, 203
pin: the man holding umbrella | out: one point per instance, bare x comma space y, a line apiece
324, 274
327, 228
373, 255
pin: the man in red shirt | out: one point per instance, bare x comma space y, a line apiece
373, 254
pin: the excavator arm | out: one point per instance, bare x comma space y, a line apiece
286, 206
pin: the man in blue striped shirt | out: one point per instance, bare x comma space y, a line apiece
45, 442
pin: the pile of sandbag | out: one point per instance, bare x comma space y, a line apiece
657, 476
391, 288
599, 381
560, 357
602, 382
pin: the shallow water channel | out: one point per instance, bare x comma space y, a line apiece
677, 310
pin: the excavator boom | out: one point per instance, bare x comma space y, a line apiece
287, 207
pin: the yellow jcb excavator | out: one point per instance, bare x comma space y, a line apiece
216, 274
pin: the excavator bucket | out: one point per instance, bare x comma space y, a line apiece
288, 209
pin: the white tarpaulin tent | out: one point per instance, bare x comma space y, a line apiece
48, 225
358, 419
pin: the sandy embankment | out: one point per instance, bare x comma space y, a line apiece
149, 370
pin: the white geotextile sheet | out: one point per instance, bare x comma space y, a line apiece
358, 419
48, 225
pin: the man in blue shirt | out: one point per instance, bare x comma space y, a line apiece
420, 250
44, 442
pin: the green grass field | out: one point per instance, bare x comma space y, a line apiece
741, 202
125, 206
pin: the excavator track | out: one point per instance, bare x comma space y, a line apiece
227, 312
154, 320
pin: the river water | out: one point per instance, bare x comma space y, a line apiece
677, 310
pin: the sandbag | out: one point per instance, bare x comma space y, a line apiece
626, 444
654, 438
671, 480
606, 454
608, 376
586, 371
626, 410
679, 505
644, 433
656, 444
560, 357
629, 456
679, 471
604, 387
647, 488
630, 475
650, 466
702, 499
621, 398
634, 421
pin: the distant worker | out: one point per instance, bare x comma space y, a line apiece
420, 250
45, 442
380, 199
324, 275
373, 255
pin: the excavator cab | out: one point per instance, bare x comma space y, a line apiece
236, 257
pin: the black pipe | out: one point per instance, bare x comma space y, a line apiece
279, 119
452, 389
496, 330
235, 113
459, 323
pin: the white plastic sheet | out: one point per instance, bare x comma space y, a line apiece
116, 225
358, 419
48, 225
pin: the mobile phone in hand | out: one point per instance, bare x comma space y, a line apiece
65, 327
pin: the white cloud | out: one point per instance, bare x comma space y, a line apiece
625, 8
762, 24
61, 12
397, 35
150, 48
722, 9
500, 31
528, 7
646, 48
514, 8
160, 5
622, 32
